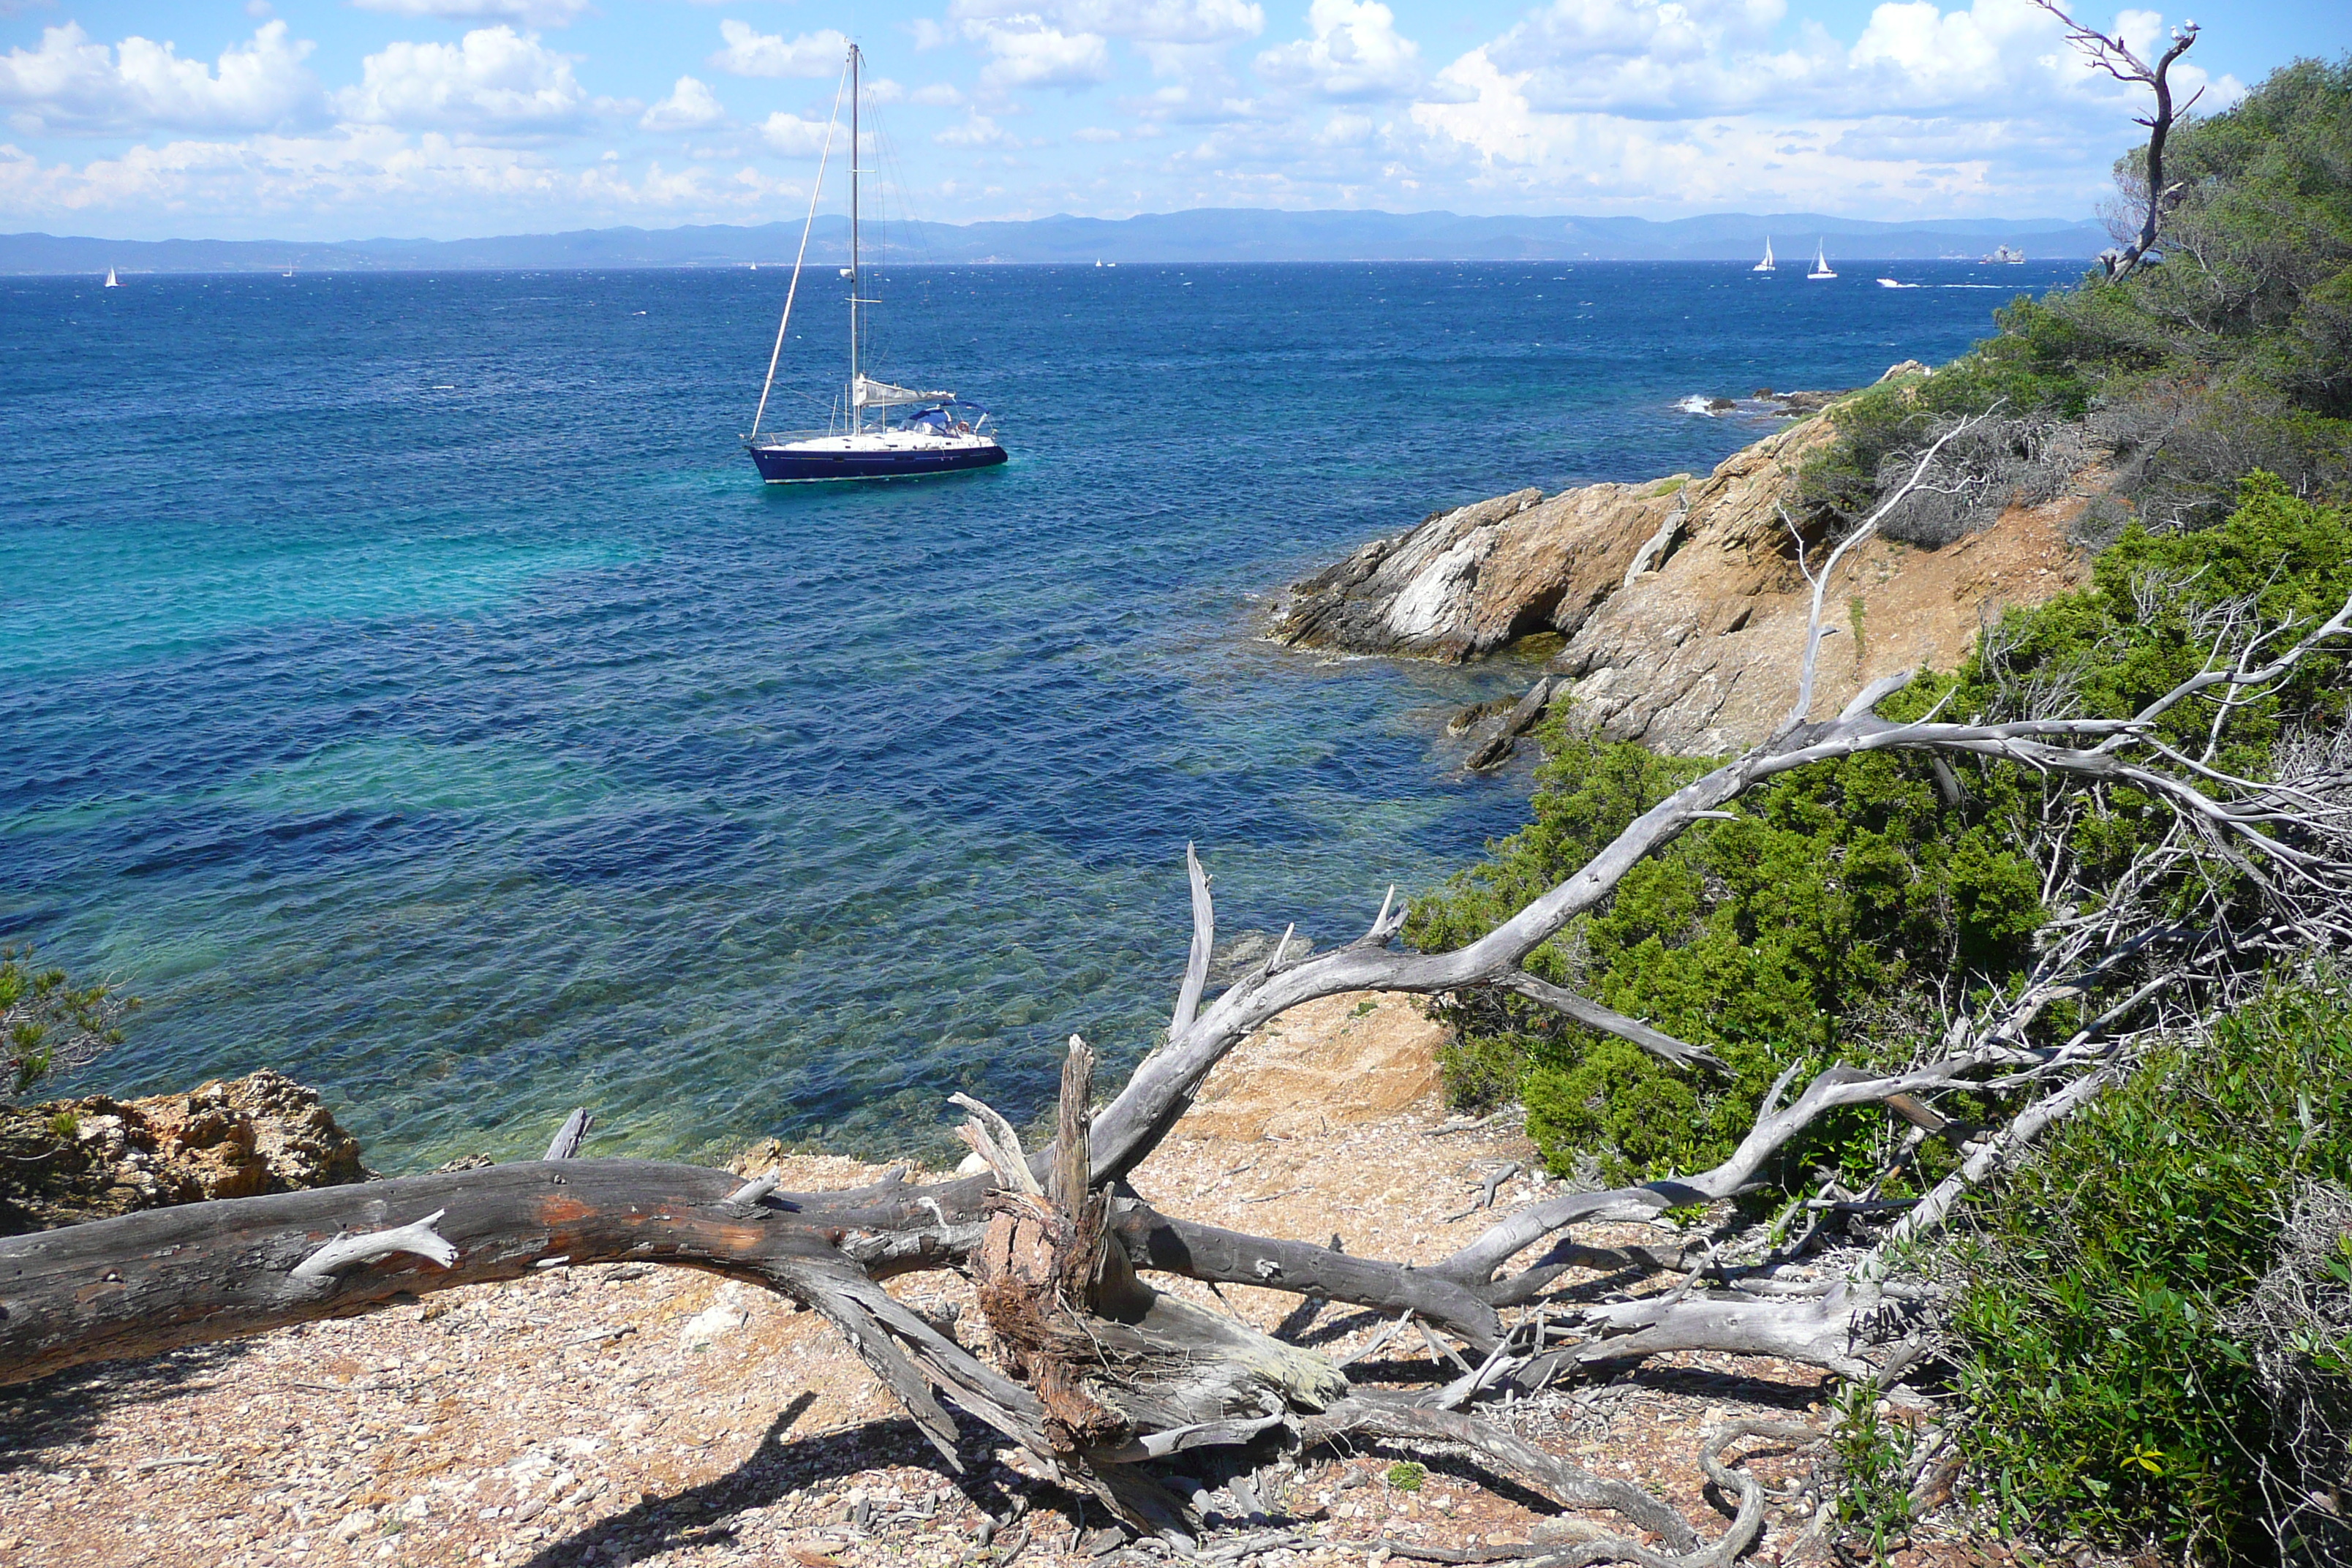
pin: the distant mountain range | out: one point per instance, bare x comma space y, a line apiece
1202, 234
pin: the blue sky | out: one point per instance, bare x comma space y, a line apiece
345, 119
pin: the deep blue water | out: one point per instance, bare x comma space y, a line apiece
409, 685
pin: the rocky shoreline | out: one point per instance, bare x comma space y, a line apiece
1680, 603
95, 1157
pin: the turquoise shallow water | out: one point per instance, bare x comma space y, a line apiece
410, 685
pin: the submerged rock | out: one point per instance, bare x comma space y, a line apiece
72, 1160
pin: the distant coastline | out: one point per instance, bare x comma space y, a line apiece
1203, 236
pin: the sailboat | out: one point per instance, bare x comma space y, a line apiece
1820, 263
112, 280
1767, 264
878, 431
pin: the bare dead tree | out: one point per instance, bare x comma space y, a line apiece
1099, 1375
2113, 56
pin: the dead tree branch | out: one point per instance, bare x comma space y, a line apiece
2113, 56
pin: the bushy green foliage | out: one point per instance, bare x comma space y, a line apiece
2110, 1395
1406, 1476
2234, 353
47, 1024
1850, 901
1869, 1452
1764, 939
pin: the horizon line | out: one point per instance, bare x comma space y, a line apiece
379, 239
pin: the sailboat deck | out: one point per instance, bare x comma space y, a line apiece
871, 441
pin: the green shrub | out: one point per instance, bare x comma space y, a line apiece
1851, 902
49, 1025
1869, 1453
1406, 1476
2111, 1394
1778, 935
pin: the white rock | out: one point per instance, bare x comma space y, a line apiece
728, 1311
356, 1523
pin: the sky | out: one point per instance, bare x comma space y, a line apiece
329, 120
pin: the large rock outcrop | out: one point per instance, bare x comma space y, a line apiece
1681, 601
93, 1158
1466, 581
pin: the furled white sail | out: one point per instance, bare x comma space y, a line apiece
867, 393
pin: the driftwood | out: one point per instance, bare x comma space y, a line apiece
1099, 1376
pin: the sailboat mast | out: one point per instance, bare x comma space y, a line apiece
857, 412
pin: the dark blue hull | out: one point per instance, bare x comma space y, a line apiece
783, 467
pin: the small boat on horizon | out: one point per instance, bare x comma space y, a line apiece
877, 430
2003, 256
1820, 263
1767, 264
112, 280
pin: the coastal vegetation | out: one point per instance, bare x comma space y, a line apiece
2233, 354
49, 1025
1851, 904
2144, 1334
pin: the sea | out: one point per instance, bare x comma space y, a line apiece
410, 687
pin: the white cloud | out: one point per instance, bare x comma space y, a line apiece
750, 52
1602, 104
494, 80
367, 174
796, 138
1355, 53
529, 13
977, 131
1918, 108
1027, 51
72, 84
937, 94
1145, 21
1346, 129
1682, 60
690, 106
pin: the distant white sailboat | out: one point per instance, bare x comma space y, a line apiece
1820, 263
112, 280
1767, 264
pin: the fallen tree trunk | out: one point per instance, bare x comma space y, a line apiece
149, 1282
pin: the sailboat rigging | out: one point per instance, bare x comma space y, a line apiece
932, 432
1820, 263
1767, 264
112, 280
